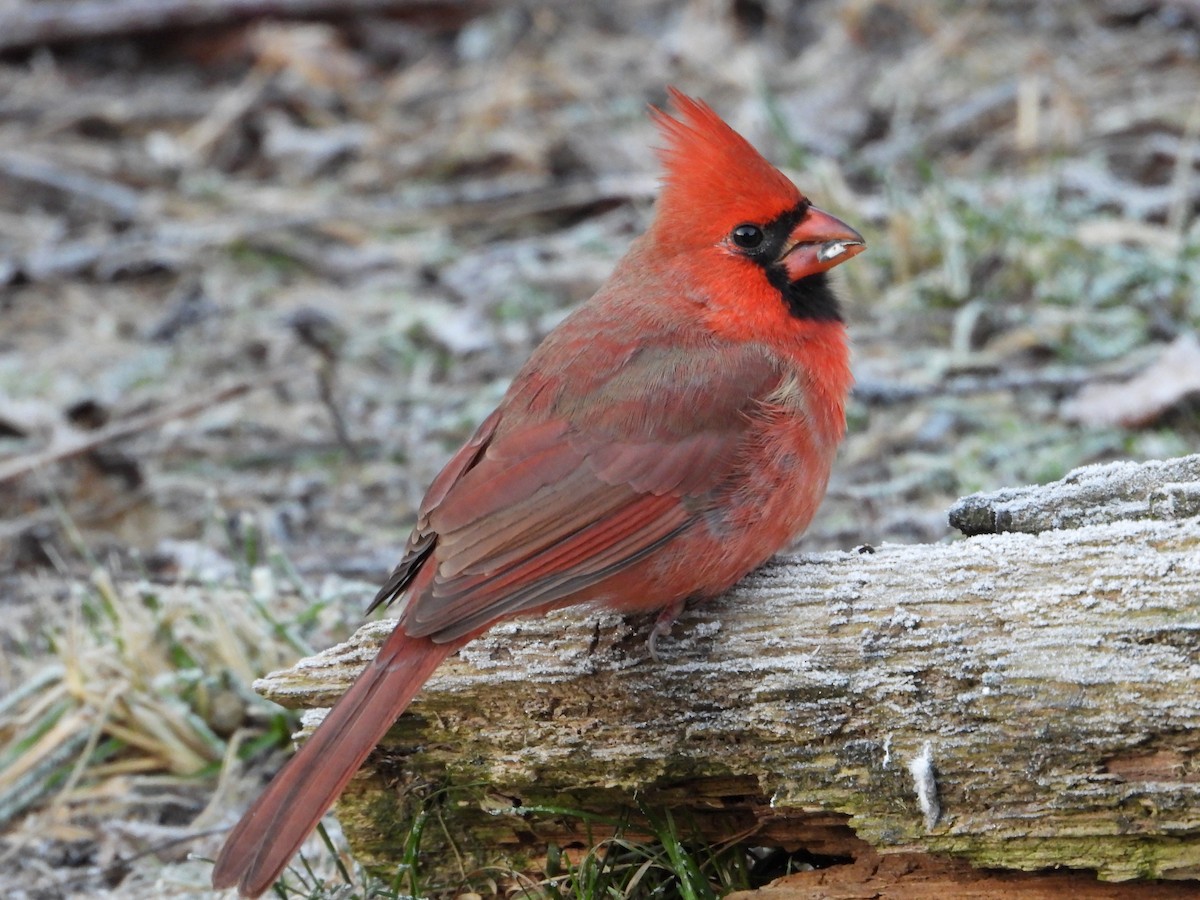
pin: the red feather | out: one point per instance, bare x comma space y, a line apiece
712, 176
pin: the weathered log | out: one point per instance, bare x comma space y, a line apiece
1160, 489
1020, 701
923, 876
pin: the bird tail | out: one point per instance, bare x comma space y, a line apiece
272, 830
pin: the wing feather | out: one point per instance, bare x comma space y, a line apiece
551, 505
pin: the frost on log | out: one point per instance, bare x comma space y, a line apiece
1017, 700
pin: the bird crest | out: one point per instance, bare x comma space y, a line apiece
713, 178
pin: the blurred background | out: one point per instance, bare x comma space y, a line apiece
263, 265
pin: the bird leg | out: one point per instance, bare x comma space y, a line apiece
662, 625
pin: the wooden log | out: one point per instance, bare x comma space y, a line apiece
922, 876
1019, 701
1159, 489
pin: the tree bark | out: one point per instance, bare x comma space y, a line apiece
1019, 701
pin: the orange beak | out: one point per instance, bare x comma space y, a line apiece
819, 243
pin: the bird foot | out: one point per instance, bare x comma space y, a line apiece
662, 626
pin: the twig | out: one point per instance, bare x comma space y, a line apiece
75, 446
326, 375
116, 199
886, 393
167, 244
1178, 214
62, 21
510, 198
171, 244
207, 133
321, 333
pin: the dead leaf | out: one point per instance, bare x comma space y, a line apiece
1146, 397
316, 54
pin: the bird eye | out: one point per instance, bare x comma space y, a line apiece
748, 236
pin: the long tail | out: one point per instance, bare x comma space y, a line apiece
271, 831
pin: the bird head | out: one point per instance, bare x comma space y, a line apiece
722, 202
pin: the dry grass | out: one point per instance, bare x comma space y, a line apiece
147, 693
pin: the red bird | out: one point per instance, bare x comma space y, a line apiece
668, 437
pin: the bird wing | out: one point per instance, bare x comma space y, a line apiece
530, 512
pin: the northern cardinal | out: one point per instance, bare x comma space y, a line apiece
665, 439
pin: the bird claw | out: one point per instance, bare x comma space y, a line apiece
662, 625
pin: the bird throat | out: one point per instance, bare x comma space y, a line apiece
810, 297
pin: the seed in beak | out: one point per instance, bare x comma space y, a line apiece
833, 249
